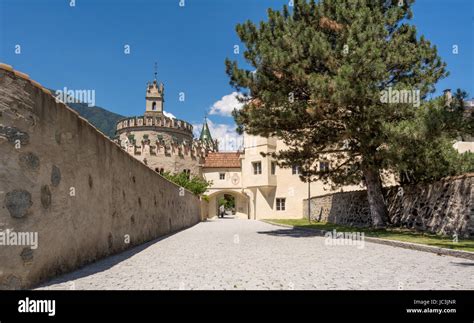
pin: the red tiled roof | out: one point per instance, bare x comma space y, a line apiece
223, 160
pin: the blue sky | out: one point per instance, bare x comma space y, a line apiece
82, 47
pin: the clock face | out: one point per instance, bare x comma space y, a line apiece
235, 179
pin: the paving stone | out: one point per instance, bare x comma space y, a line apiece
267, 257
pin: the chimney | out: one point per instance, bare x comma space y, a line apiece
448, 97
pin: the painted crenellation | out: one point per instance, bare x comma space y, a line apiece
162, 156
154, 136
156, 122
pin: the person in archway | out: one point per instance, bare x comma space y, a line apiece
221, 210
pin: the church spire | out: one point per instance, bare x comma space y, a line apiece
206, 137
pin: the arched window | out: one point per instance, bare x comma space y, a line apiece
153, 107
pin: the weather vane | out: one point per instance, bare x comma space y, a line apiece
156, 69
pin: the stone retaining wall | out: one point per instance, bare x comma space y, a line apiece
83, 196
444, 207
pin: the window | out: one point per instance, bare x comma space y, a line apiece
222, 176
257, 168
153, 107
295, 170
273, 168
323, 166
281, 204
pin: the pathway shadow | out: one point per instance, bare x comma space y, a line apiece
464, 264
227, 217
101, 264
290, 232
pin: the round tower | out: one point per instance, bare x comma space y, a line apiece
164, 144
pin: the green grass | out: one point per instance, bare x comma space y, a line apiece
397, 234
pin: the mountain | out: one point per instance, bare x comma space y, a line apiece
101, 118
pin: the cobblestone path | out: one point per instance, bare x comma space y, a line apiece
246, 254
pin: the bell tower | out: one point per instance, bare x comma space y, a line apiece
154, 97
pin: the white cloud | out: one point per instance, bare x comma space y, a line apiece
226, 105
169, 115
228, 138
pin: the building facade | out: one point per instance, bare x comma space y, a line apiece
261, 189
256, 185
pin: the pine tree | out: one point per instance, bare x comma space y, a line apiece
421, 149
316, 80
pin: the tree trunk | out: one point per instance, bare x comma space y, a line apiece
378, 209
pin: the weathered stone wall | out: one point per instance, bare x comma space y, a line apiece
349, 208
81, 193
444, 207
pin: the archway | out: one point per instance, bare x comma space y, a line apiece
235, 203
228, 203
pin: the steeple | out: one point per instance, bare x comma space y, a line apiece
154, 97
206, 137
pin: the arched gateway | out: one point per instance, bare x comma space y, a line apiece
224, 170
241, 203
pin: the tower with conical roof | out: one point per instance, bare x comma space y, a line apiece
206, 138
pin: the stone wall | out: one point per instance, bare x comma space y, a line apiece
349, 208
82, 195
444, 207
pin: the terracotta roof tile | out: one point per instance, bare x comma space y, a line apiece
223, 160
